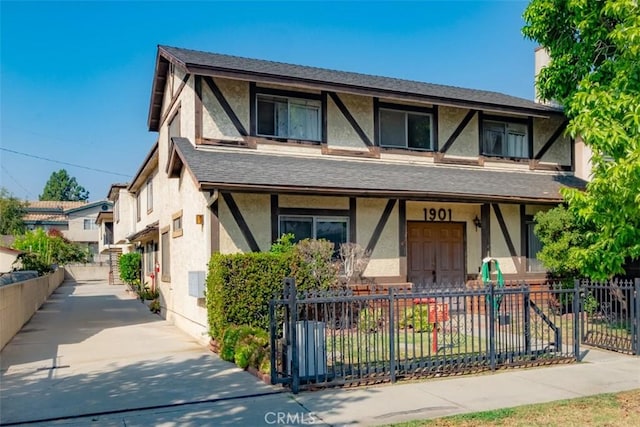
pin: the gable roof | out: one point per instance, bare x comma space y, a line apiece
222, 169
215, 64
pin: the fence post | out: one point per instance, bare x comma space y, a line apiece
527, 320
576, 314
636, 316
290, 286
492, 327
392, 340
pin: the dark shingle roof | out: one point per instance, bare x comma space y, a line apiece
198, 61
261, 172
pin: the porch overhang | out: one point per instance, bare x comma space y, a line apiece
145, 234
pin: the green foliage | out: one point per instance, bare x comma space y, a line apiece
589, 304
130, 266
313, 266
252, 349
561, 237
63, 187
240, 286
370, 319
245, 346
31, 261
49, 248
595, 73
146, 293
283, 245
12, 211
154, 307
417, 317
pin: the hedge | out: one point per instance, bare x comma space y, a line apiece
240, 286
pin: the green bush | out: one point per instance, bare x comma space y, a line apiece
370, 320
417, 317
252, 349
129, 264
154, 307
244, 345
240, 286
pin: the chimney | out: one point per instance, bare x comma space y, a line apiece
542, 59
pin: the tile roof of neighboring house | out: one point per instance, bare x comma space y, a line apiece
53, 204
45, 217
215, 168
199, 62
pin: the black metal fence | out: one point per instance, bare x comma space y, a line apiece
336, 338
611, 315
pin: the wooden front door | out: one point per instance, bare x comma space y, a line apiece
436, 253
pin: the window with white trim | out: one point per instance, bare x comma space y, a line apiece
292, 118
505, 139
150, 195
333, 229
90, 224
404, 129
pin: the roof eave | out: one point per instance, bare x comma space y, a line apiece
146, 168
393, 194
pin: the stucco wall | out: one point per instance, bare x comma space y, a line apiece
124, 225
6, 260
215, 122
466, 144
340, 133
256, 211
19, 301
499, 248
188, 252
384, 259
560, 151
76, 232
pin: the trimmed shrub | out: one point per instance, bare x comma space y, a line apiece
239, 288
251, 349
417, 317
129, 264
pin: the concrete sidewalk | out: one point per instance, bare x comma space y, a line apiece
125, 366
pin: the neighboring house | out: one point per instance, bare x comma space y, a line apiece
76, 220
7, 257
430, 179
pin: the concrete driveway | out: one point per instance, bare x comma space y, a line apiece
94, 349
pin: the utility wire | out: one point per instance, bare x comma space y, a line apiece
64, 163
15, 180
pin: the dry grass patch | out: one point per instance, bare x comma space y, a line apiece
619, 409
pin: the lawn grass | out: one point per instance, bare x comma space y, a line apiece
618, 409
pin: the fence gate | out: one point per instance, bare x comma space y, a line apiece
610, 316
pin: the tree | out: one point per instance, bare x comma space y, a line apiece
12, 211
594, 73
50, 248
63, 187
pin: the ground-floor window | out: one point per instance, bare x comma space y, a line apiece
333, 229
165, 267
533, 247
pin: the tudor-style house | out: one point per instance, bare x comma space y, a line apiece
430, 179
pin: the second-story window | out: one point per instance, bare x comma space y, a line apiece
149, 195
90, 224
505, 139
291, 118
406, 129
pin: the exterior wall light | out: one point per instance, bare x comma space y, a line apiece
477, 222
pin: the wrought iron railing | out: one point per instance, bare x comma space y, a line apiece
332, 338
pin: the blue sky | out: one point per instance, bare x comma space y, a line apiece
76, 76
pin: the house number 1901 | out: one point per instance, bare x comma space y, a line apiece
434, 214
